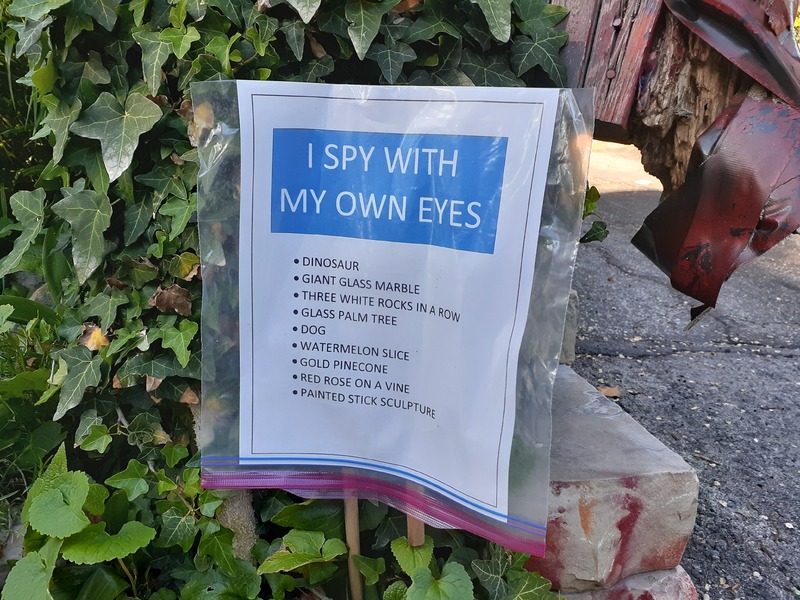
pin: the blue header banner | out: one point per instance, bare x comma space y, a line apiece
442, 190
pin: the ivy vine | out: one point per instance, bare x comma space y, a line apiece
100, 302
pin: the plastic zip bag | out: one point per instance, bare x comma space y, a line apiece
385, 280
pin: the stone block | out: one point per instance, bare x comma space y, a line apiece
570, 330
674, 584
621, 503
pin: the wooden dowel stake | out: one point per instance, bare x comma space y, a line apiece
353, 539
416, 531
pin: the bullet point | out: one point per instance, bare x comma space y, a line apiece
295, 311
294, 328
294, 345
296, 278
296, 295
294, 376
294, 361
297, 261
295, 392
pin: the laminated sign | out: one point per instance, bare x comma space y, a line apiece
385, 280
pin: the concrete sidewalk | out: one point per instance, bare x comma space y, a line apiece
725, 395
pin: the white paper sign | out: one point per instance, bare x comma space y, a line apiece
388, 239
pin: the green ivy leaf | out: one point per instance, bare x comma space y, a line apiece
75, 25
315, 70
164, 483
295, 32
261, 32
303, 548
180, 211
34, 9
491, 572
454, 584
498, 16
529, 586
83, 371
58, 511
102, 11
391, 59
540, 50
209, 502
178, 340
365, 21
28, 209
155, 52
229, 9
89, 214
184, 265
313, 515
489, 71
597, 233
174, 453
331, 20
178, 528
436, 18
118, 128
137, 8
93, 545
28, 33
30, 577
591, 201
58, 120
105, 307
370, 568
219, 546
131, 480
538, 13
98, 439
137, 218
305, 8
391, 529
181, 40
410, 558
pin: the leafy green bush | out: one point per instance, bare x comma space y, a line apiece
101, 294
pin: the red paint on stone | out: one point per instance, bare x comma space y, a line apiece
665, 557
626, 525
630, 483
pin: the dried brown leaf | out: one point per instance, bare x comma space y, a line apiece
93, 337
405, 6
173, 299
189, 397
609, 392
151, 383
185, 111
316, 48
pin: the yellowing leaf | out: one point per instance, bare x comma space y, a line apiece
93, 337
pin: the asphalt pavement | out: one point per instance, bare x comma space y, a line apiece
725, 394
